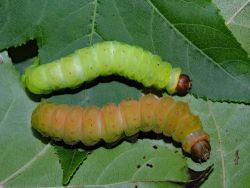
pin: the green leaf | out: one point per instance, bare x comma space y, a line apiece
70, 160
28, 162
21, 150
212, 57
189, 34
228, 127
237, 18
144, 161
137, 184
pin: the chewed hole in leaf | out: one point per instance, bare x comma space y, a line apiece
23, 52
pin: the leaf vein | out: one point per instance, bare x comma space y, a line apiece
115, 159
123, 21
196, 47
220, 148
93, 22
7, 111
237, 12
151, 29
25, 166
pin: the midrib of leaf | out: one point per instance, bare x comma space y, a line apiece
73, 157
237, 12
7, 111
70, 165
93, 22
192, 44
220, 149
25, 166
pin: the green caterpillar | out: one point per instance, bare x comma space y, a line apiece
102, 59
91, 124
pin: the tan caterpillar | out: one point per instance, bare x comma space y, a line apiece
102, 59
91, 124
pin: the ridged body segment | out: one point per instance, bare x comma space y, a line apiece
102, 59
111, 122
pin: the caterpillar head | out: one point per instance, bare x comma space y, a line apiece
184, 84
201, 150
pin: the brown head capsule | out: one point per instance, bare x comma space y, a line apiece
184, 84
201, 150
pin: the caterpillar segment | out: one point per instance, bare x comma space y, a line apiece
103, 59
90, 125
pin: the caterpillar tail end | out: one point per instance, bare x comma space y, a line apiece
201, 150
184, 84
26, 75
